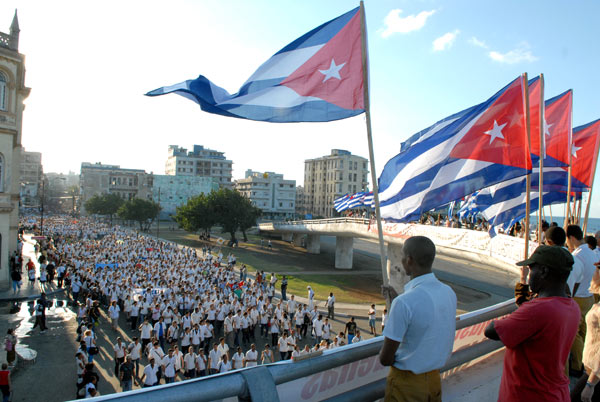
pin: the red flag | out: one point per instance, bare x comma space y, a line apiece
584, 151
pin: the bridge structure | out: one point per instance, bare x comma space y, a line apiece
500, 251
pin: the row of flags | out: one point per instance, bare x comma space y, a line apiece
481, 154
361, 199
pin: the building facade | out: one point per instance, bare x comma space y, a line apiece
300, 204
270, 192
330, 177
174, 191
201, 162
96, 179
12, 94
32, 176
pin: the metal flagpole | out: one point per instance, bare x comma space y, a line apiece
528, 182
542, 155
365, 66
589, 201
569, 169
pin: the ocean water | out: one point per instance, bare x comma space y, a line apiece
592, 227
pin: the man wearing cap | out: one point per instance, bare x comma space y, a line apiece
538, 336
419, 333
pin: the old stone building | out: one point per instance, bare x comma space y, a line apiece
12, 93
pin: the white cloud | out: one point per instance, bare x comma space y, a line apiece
445, 41
396, 24
476, 42
521, 53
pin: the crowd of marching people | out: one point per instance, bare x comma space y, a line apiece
189, 313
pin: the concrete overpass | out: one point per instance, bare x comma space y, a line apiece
501, 251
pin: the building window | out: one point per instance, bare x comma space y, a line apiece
3, 95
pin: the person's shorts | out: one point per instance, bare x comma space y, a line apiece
371, 323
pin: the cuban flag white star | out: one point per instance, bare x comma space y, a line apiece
547, 127
495, 132
574, 150
333, 71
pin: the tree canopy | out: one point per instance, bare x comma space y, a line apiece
226, 207
104, 204
139, 210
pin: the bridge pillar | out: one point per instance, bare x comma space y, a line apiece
395, 271
287, 236
344, 247
297, 239
313, 244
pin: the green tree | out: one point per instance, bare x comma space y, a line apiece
249, 217
110, 205
197, 214
94, 205
139, 210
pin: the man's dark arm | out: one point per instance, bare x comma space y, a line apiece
490, 332
388, 352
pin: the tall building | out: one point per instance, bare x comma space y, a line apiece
32, 174
270, 192
174, 191
331, 176
96, 178
201, 162
300, 204
12, 93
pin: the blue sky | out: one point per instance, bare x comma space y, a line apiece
89, 64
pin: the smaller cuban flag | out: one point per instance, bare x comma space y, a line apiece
316, 78
341, 204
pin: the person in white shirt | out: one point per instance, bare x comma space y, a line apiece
331, 306
251, 356
189, 363
168, 367
145, 333
419, 332
283, 346
223, 348
581, 293
214, 357
357, 337
149, 377
372, 316
135, 352
224, 365
311, 295
120, 350
237, 361
201, 364
318, 328
113, 312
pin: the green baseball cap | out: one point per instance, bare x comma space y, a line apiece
550, 256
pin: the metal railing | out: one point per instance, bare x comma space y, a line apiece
259, 383
308, 222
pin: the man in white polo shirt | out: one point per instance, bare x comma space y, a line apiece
581, 293
419, 333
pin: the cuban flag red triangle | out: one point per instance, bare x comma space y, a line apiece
499, 134
335, 72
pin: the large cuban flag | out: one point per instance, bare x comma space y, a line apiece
584, 153
318, 77
504, 203
473, 149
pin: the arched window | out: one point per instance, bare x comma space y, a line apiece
3, 96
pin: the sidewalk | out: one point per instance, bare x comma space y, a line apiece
28, 291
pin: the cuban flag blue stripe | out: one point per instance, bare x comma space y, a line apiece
321, 34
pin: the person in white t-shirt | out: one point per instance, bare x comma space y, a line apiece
149, 377
251, 356
201, 364
224, 365
135, 352
237, 361
372, 316
113, 312
283, 346
189, 363
120, 350
357, 338
168, 367
214, 357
